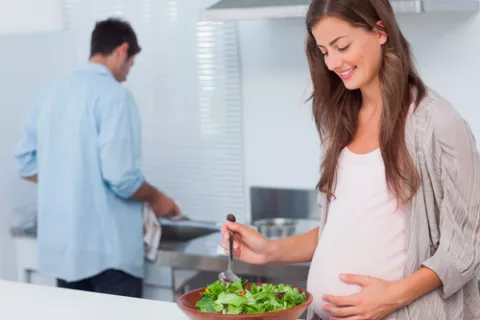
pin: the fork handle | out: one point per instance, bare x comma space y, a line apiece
230, 247
231, 218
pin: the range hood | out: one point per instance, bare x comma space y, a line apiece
280, 9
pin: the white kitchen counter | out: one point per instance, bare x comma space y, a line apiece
21, 301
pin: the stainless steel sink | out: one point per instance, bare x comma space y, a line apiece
186, 230
176, 231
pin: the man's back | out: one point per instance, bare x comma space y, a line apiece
82, 139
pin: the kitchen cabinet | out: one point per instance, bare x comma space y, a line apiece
158, 282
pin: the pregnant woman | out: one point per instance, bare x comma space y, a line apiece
399, 190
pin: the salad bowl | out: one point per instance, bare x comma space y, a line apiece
242, 300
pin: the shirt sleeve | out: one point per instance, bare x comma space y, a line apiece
26, 149
120, 145
457, 257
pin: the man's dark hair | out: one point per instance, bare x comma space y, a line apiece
111, 33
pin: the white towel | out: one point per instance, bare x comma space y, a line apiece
152, 233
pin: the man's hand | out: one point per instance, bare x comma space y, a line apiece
161, 204
164, 206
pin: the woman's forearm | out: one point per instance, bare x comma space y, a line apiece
294, 249
417, 285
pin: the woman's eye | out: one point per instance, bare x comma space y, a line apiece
344, 48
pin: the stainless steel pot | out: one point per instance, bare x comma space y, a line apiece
278, 228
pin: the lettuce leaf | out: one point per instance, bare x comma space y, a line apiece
233, 298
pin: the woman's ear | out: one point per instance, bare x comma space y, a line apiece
381, 32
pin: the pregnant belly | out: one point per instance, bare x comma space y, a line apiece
355, 252
324, 275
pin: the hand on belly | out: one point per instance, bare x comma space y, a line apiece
325, 280
334, 258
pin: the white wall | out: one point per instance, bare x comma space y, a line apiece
281, 143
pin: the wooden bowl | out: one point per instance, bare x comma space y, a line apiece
187, 304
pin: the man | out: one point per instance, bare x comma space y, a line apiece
81, 143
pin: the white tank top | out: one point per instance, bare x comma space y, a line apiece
364, 233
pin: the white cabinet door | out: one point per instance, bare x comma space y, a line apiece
37, 278
154, 292
157, 283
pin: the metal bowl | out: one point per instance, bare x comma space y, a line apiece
277, 228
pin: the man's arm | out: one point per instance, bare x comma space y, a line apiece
119, 143
32, 178
160, 203
119, 146
26, 149
147, 193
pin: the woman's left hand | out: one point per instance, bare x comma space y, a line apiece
377, 299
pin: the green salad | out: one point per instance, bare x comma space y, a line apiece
234, 298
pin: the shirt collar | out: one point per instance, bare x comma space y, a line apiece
99, 68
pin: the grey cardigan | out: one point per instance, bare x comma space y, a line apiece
443, 219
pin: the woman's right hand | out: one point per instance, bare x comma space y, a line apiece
249, 245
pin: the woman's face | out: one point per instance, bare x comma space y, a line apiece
353, 53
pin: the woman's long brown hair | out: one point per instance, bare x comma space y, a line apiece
335, 108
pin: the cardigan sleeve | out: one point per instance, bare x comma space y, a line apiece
457, 257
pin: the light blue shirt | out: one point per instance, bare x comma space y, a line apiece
82, 139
